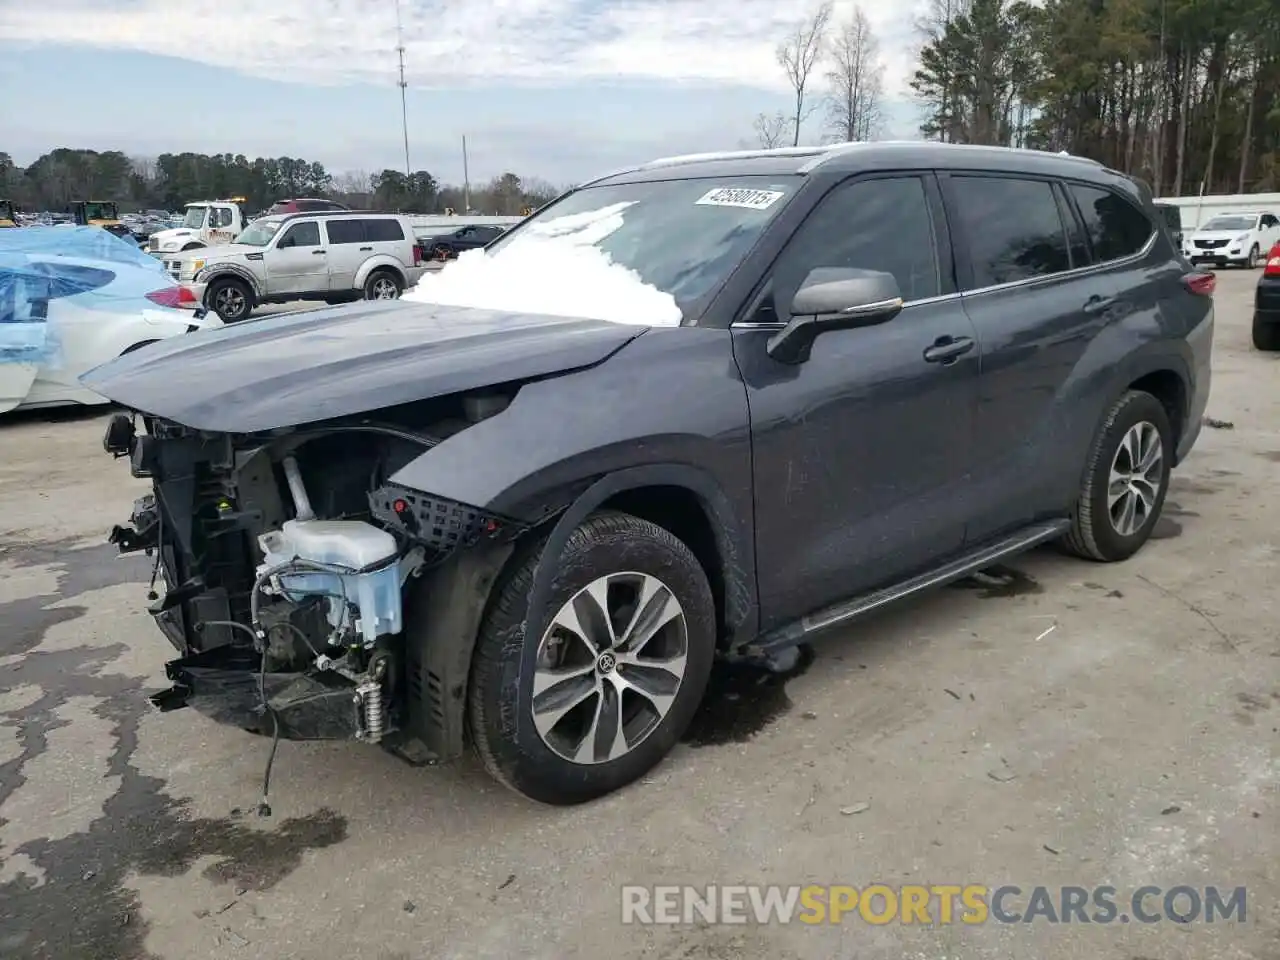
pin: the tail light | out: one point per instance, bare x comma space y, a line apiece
1272, 269
172, 297
417, 254
1202, 284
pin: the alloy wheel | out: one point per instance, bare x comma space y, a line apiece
229, 302
609, 667
1137, 471
384, 289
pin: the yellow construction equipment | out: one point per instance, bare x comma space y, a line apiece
7, 218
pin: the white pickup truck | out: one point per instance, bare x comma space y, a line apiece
208, 223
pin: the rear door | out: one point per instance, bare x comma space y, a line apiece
385, 237
298, 262
1037, 302
348, 249
862, 452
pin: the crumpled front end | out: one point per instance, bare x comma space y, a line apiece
282, 563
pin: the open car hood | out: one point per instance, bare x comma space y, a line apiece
286, 371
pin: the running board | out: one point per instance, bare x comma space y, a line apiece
847, 611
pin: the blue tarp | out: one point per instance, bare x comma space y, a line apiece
40, 264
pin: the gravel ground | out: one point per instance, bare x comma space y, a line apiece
952, 740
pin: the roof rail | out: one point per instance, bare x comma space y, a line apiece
839, 149
732, 155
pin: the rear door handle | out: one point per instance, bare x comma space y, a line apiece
1097, 304
365, 249
946, 350
317, 253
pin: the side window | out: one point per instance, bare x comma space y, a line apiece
345, 231
880, 224
382, 231
301, 235
1011, 228
220, 217
1116, 227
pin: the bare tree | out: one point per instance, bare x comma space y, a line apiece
855, 80
798, 54
772, 131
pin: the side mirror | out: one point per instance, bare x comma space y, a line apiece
834, 298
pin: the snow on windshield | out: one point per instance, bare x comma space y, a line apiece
553, 267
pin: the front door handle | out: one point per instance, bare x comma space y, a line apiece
1098, 304
317, 253
366, 249
946, 350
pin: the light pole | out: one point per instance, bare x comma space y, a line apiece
404, 109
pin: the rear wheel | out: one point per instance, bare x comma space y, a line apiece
1125, 480
606, 689
230, 299
1266, 336
383, 285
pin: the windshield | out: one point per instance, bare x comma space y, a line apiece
100, 211
683, 237
1231, 223
259, 233
194, 219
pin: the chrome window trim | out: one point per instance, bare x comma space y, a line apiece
1074, 272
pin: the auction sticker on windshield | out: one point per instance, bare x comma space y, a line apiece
740, 197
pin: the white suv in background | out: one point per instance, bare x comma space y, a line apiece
335, 256
1233, 239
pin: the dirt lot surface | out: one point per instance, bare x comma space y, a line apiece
953, 740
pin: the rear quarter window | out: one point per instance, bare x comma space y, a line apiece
382, 230
1116, 228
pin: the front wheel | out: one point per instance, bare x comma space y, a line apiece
1125, 480
613, 677
231, 300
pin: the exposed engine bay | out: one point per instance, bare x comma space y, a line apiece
286, 559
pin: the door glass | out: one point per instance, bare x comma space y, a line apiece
1011, 229
1116, 227
302, 235
345, 231
881, 224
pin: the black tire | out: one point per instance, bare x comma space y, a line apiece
1093, 535
1266, 336
500, 700
381, 280
230, 299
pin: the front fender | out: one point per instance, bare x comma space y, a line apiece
669, 409
373, 263
214, 271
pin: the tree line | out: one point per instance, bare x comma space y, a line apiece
1184, 94
170, 181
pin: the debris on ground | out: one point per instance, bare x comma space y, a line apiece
1168, 810
511, 878
1214, 424
1050, 849
809, 715
1002, 773
855, 808
951, 693
235, 938
410, 906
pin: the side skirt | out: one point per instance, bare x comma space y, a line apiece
775, 645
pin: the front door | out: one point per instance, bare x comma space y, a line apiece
298, 263
862, 452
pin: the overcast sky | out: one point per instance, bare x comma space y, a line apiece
558, 89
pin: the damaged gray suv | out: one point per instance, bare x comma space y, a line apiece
708, 407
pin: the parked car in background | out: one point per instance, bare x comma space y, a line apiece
302, 256
1266, 304
448, 245
709, 406
1233, 239
72, 299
